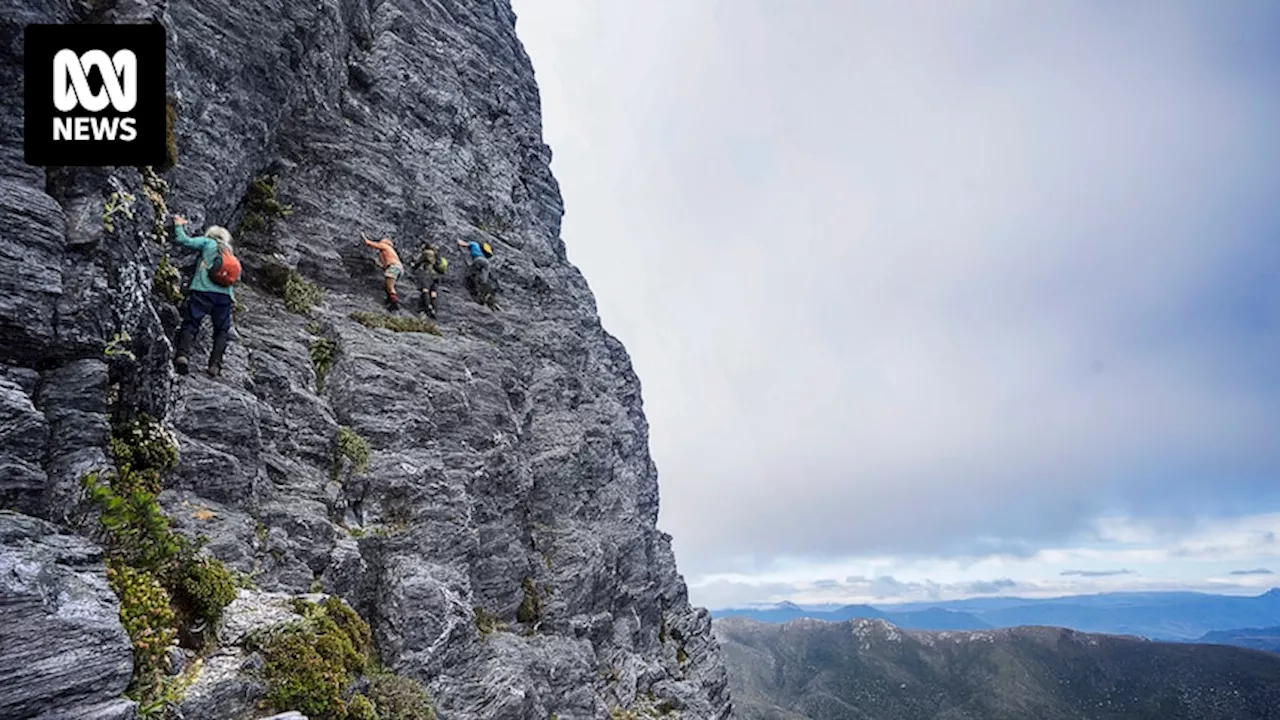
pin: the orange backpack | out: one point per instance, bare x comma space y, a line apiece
225, 270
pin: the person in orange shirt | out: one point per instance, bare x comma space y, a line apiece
389, 261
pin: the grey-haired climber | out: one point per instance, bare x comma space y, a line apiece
212, 293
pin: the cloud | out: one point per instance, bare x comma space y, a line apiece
1256, 571
1095, 573
904, 280
989, 587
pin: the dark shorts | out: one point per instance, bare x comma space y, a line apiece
199, 304
428, 280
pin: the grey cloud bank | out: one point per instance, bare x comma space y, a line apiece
913, 278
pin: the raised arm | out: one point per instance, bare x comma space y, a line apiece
180, 234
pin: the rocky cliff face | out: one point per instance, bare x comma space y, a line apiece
501, 540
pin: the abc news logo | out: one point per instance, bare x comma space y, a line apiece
94, 95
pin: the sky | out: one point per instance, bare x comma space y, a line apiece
932, 300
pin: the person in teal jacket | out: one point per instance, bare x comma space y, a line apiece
205, 298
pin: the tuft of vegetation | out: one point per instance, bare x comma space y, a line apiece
167, 592
322, 353
361, 708
682, 657
261, 205
487, 622
209, 587
395, 323
146, 615
530, 610
399, 698
168, 281
309, 663
299, 295
353, 448
156, 189
118, 347
144, 444
119, 203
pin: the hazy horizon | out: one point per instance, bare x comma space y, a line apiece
933, 301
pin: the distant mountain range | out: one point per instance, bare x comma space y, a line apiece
1257, 638
1181, 616
870, 670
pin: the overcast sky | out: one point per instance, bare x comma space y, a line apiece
935, 299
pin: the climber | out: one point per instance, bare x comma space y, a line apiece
479, 280
430, 265
389, 261
211, 294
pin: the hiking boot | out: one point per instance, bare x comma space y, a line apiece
182, 348
214, 370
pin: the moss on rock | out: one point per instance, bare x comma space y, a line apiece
351, 447
395, 323
399, 698
300, 295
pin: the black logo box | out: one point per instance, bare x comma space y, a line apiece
42, 42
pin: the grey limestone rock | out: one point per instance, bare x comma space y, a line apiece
508, 475
65, 654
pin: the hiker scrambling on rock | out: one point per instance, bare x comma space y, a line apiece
479, 280
211, 294
389, 261
430, 265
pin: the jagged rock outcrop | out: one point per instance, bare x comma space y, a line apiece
63, 653
501, 542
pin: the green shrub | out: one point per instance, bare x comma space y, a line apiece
322, 353
399, 698
361, 708
155, 188
168, 281
352, 447
299, 295
136, 530
164, 588
260, 205
147, 616
209, 588
395, 323
530, 610
118, 203
144, 444
309, 663
350, 623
